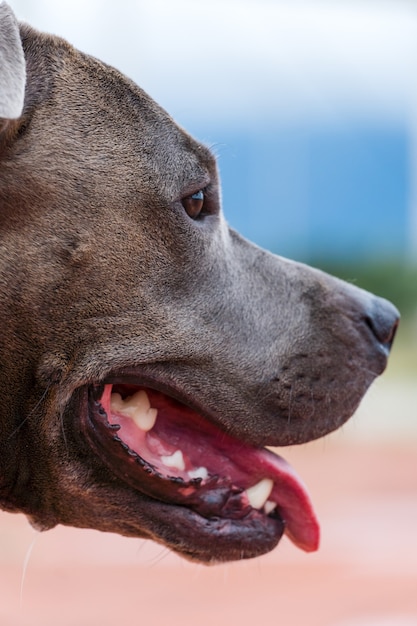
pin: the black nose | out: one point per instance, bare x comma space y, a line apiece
383, 319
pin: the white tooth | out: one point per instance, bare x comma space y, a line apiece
137, 407
130, 405
145, 421
139, 401
259, 493
176, 460
269, 506
199, 472
116, 402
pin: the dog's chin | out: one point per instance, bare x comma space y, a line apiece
208, 495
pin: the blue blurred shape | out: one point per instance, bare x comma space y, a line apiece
331, 193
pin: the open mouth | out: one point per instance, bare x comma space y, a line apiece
227, 488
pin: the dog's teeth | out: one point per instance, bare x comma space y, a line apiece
199, 472
259, 493
269, 506
146, 421
139, 401
176, 460
137, 407
116, 402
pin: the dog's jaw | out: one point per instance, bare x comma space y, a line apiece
248, 495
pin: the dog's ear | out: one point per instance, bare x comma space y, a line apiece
12, 67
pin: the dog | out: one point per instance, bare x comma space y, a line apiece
148, 352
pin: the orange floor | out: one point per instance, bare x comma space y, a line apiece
365, 573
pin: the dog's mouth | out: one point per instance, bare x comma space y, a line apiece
242, 497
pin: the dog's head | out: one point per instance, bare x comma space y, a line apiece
148, 352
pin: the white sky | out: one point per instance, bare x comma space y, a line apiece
237, 59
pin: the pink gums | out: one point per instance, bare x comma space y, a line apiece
204, 445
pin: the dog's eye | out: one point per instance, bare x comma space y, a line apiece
194, 204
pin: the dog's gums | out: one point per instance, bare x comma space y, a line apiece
162, 448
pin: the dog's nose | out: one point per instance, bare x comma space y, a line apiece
382, 318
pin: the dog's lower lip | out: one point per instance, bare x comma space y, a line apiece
223, 494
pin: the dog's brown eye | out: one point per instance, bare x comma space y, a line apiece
194, 204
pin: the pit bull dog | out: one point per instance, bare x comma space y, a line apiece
149, 353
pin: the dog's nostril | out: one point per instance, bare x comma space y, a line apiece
383, 321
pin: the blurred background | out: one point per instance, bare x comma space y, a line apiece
311, 108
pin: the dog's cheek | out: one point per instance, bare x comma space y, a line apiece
52, 369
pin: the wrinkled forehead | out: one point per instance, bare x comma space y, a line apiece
87, 101
166, 151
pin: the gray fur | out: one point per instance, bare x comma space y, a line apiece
12, 66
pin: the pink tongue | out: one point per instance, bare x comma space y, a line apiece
204, 444
291, 496
247, 465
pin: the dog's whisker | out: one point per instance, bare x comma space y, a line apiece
157, 559
30, 414
25, 566
62, 424
289, 406
214, 148
367, 370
